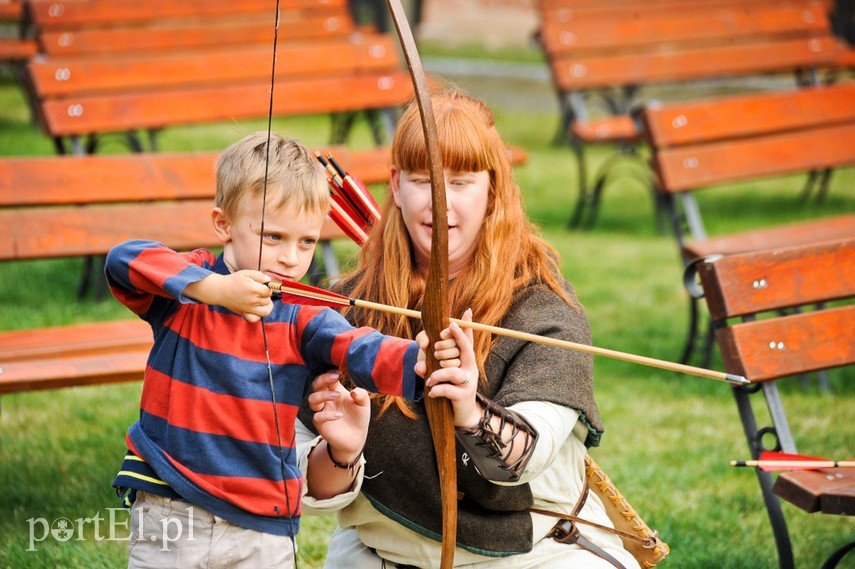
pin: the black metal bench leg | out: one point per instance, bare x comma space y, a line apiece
838, 556
692, 332
584, 198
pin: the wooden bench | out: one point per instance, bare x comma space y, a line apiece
745, 293
169, 78
107, 28
67, 206
15, 44
714, 143
613, 51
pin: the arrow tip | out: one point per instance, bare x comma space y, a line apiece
736, 379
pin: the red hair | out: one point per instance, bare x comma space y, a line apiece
387, 271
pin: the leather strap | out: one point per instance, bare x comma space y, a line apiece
566, 531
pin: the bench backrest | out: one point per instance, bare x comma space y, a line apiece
105, 27
74, 206
200, 62
607, 46
756, 287
716, 141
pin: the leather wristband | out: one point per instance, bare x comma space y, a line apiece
337, 464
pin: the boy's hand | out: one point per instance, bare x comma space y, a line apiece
457, 377
244, 292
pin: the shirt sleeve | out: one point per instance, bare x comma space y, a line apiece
377, 363
138, 271
553, 423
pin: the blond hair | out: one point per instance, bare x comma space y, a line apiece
294, 176
469, 142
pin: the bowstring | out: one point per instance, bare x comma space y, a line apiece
263, 327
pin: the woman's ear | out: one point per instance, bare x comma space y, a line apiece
395, 184
222, 226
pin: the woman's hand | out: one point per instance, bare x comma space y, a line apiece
457, 377
341, 416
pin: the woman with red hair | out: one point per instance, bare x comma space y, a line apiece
525, 413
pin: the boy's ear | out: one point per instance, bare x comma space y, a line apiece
222, 227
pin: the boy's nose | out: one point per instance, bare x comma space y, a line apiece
288, 255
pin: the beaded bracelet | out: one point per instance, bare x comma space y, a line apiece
337, 464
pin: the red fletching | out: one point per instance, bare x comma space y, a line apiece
299, 293
775, 461
356, 192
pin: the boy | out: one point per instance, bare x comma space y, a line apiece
211, 472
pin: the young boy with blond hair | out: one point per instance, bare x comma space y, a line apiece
211, 473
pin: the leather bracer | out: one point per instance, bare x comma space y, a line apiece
487, 448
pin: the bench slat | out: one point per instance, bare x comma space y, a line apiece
104, 113
789, 345
101, 12
75, 340
64, 76
693, 167
162, 38
39, 232
780, 278
784, 235
73, 371
740, 116
830, 490
630, 31
682, 64
147, 176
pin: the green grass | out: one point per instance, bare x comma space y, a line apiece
668, 438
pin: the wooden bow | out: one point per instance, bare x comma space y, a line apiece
435, 310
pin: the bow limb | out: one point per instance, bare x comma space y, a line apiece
435, 309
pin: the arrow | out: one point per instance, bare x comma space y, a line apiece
298, 293
777, 461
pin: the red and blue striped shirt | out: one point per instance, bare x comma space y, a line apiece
206, 431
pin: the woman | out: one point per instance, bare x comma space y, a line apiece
534, 404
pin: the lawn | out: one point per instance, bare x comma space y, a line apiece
669, 437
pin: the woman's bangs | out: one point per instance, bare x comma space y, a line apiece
463, 144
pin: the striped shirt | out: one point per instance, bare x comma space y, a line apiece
206, 431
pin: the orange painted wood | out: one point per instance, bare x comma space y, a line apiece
830, 490
759, 281
609, 129
74, 180
76, 340
52, 373
684, 169
40, 232
785, 235
644, 28
789, 345
674, 64
105, 12
156, 109
11, 11
64, 76
739, 116
148, 176
576, 6
146, 39
17, 50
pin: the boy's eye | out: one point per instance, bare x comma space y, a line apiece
308, 242
272, 237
